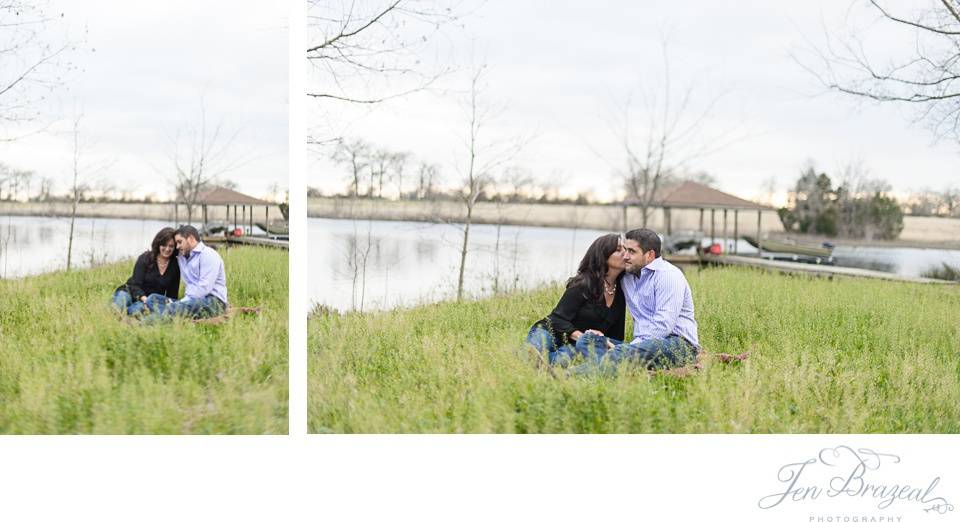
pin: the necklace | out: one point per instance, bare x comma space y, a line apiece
609, 288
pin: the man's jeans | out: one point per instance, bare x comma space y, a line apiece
587, 346
672, 352
125, 303
161, 307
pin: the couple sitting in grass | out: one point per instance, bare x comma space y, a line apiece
619, 273
153, 288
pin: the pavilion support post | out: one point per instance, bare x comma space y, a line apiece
234, 217
736, 235
243, 221
176, 214
624, 217
713, 226
725, 238
266, 219
204, 208
759, 240
701, 221
251, 220
667, 220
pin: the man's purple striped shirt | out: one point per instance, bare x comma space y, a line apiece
660, 301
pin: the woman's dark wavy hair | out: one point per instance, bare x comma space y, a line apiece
593, 266
165, 234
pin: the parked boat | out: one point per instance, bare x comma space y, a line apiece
790, 250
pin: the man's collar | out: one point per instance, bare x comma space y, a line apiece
196, 250
656, 264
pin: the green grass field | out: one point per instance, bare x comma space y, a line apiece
827, 356
68, 364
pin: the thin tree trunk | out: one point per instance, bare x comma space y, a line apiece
76, 192
463, 252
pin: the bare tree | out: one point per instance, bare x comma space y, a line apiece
46, 189
517, 182
83, 176
924, 202
398, 163
508, 184
30, 65
366, 46
950, 201
670, 137
927, 78
364, 53
14, 182
201, 154
355, 154
105, 189
428, 175
483, 158
6, 177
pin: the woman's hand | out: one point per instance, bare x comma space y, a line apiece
143, 298
596, 332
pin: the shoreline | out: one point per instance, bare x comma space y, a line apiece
919, 231
131, 210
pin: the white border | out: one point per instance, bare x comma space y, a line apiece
440, 477
298, 220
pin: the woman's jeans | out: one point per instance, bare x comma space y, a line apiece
542, 339
124, 302
587, 346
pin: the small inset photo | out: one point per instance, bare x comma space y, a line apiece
143, 218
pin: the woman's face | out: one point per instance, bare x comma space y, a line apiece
166, 249
615, 261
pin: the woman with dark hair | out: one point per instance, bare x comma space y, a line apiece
155, 272
592, 303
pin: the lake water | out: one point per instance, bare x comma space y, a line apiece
372, 265
33, 245
384, 264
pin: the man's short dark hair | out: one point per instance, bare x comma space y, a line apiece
648, 239
188, 231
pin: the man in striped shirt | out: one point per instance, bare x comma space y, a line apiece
659, 299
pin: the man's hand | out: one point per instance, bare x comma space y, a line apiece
143, 298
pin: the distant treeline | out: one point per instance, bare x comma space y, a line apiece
858, 207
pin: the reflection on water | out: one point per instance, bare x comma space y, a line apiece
366, 265
33, 245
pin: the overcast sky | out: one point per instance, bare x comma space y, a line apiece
141, 71
562, 70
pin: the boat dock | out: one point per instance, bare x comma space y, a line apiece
273, 242
811, 269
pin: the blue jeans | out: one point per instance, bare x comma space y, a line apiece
125, 303
593, 347
162, 307
542, 339
672, 352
